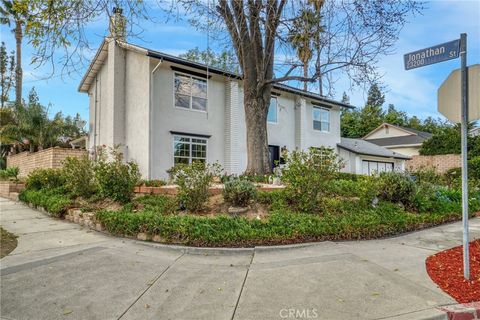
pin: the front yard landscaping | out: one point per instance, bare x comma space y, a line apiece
317, 202
446, 270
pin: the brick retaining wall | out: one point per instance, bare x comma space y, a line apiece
48, 158
441, 163
10, 189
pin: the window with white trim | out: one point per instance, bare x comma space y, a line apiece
321, 119
190, 92
373, 167
189, 149
272, 116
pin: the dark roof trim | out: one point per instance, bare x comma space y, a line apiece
316, 104
276, 94
186, 63
190, 134
372, 155
192, 73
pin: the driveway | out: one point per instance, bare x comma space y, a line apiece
63, 271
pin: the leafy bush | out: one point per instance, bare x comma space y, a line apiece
158, 203
115, 179
53, 200
193, 181
79, 176
365, 188
397, 187
306, 176
474, 168
427, 175
45, 179
9, 173
239, 192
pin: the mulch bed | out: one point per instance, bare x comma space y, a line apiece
446, 270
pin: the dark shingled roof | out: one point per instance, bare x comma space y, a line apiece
398, 141
360, 146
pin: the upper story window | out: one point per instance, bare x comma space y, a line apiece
272, 116
321, 119
190, 92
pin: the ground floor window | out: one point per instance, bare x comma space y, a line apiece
372, 167
189, 149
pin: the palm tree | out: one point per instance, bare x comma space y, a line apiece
302, 36
9, 16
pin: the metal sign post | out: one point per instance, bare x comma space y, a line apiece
464, 124
435, 54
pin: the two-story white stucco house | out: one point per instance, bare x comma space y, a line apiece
164, 110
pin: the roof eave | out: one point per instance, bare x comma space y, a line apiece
374, 155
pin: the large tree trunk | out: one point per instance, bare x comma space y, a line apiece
18, 69
256, 104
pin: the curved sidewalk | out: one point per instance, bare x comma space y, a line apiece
62, 271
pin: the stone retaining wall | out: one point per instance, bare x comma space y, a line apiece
440, 163
48, 158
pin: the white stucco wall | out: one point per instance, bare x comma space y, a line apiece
137, 104
166, 117
100, 127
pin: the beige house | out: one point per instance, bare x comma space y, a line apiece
399, 139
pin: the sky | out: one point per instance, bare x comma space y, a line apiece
412, 91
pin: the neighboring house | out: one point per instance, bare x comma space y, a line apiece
475, 132
399, 139
363, 157
163, 110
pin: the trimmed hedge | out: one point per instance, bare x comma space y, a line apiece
52, 200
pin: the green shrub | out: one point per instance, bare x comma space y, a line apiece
79, 176
427, 175
116, 180
53, 200
348, 176
9, 174
397, 187
158, 203
193, 181
307, 175
474, 168
239, 192
256, 178
45, 179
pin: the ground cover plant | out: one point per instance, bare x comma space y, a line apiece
340, 207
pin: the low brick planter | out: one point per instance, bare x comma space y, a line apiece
11, 189
213, 190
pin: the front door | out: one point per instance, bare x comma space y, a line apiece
274, 154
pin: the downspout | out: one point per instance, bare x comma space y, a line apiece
95, 120
150, 120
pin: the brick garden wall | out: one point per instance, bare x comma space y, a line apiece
441, 163
48, 158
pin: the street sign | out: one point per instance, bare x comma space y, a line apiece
449, 95
442, 52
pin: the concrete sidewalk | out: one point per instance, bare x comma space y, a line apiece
62, 271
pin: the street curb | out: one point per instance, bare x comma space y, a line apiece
462, 311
